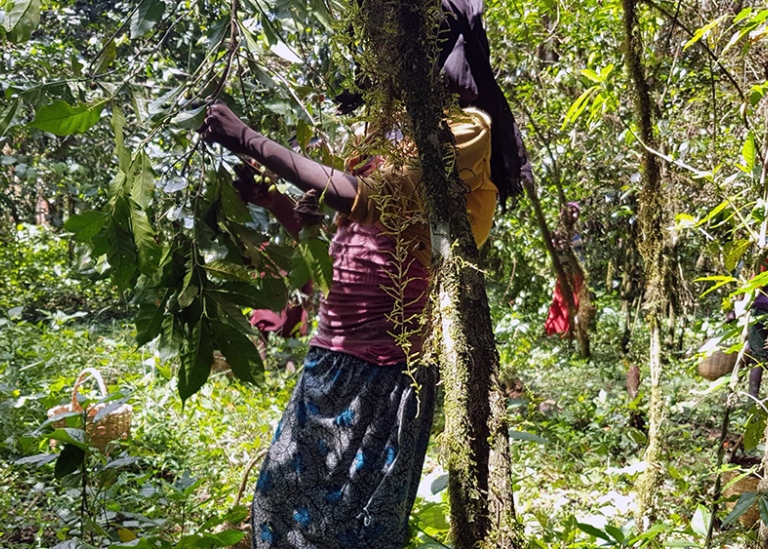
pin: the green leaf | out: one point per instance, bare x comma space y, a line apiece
312, 262
37, 459
146, 17
147, 249
68, 435
614, 532
227, 271
149, 320
240, 352
592, 531
86, 225
226, 538
749, 152
700, 520
703, 31
118, 123
578, 106
753, 432
762, 506
190, 288
718, 280
122, 255
190, 119
196, 360
713, 212
733, 252
171, 338
105, 58
269, 294
8, 116
746, 500
591, 75
439, 484
22, 19
60, 118
529, 437
70, 460
232, 205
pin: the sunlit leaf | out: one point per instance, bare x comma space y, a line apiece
60, 118
703, 31
579, 105
227, 271
593, 531
22, 19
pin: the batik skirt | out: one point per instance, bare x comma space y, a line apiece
345, 462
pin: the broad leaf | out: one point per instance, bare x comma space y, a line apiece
149, 320
171, 338
240, 352
148, 251
73, 437
746, 500
70, 460
8, 116
60, 118
227, 271
146, 17
86, 225
232, 205
22, 19
196, 360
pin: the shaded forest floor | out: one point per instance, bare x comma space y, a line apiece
176, 479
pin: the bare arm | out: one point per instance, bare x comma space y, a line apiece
223, 127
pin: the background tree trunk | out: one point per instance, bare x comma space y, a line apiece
651, 218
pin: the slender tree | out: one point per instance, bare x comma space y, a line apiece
652, 219
476, 439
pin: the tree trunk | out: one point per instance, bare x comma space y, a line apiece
476, 431
651, 219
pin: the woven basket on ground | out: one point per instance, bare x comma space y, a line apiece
116, 423
747, 484
717, 365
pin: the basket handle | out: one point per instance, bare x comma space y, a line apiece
81, 378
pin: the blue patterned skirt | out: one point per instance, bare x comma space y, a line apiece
345, 462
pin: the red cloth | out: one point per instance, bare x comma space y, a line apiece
557, 320
290, 322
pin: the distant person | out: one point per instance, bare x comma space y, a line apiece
569, 244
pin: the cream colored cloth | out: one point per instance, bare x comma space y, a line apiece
388, 197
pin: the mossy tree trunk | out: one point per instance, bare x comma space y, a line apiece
652, 222
476, 440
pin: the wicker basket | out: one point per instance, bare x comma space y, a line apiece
116, 424
717, 365
747, 484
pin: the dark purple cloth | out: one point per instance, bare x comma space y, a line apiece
465, 59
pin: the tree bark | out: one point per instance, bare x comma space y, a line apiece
651, 217
476, 431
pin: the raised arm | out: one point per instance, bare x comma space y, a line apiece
224, 127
